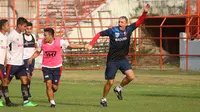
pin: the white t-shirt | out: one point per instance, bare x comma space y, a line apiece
29, 51
3, 47
15, 49
63, 43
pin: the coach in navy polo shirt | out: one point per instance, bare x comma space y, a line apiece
119, 45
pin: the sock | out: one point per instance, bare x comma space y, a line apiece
53, 102
1, 93
5, 93
118, 88
29, 86
26, 101
103, 99
24, 90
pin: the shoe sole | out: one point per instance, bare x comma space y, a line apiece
117, 95
103, 106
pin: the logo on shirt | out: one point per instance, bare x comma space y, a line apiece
46, 76
124, 33
121, 39
117, 35
28, 43
4, 47
20, 45
50, 53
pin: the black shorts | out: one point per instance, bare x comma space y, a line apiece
113, 66
29, 67
2, 72
14, 70
53, 74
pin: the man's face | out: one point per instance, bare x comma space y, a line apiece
6, 27
122, 23
28, 30
47, 37
22, 27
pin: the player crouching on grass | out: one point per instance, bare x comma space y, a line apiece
52, 60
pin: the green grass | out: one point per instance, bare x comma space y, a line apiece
81, 91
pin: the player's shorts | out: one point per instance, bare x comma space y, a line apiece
14, 70
113, 66
53, 74
29, 67
2, 72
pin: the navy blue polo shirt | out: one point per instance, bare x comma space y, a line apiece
119, 41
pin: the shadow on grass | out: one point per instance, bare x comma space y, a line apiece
45, 101
78, 104
168, 95
65, 103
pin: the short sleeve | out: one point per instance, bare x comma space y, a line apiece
64, 44
34, 36
39, 45
105, 32
10, 39
132, 27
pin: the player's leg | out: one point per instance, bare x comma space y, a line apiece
126, 69
48, 78
1, 93
56, 80
111, 70
29, 70
8, 75
129, 77
24, 87
49, 92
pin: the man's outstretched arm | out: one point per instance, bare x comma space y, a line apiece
142, 18
96, 37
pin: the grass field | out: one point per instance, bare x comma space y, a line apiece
81, 91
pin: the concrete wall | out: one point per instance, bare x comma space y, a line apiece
24, 8
5, 11
129, 8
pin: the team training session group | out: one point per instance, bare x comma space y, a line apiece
19, 48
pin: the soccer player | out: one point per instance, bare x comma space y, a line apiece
52, 61
116, 59
4, 28
30, 45
15, 65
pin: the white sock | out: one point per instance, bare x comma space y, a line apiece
26, 101
52, 102
103, 99
118, 88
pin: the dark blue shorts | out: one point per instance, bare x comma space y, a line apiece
53, 74
2, 72
113, 66
14, 70
29, 68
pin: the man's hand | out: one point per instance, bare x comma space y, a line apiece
88, 47
146, 7
30, 61
28, 76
